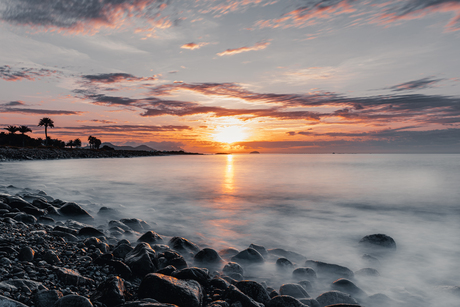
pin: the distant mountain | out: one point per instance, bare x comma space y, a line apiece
140, 147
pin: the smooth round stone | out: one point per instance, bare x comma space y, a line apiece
248, 256
26, 254
73, 301
378, 240
208, 256
232, 268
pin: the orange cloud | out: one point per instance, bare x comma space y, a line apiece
258, 46
193, 46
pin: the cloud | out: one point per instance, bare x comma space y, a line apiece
257, 46
115, 78
7, 73
39, 111
130, 128
87, 16
193, 46
13, 104
226, 7
415, 85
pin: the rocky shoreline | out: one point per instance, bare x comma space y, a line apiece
51, 254
15, 154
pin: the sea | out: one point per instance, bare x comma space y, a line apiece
318, 205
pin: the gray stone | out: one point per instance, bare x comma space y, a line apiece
378, 240
311, 302
198, 274
183, 245
140, 260
71, 277
367, 272
111, 292
7, 302
26, 254
233, 294
347, 286
122, 250
208, 256
248, 256
232, 268
329, 271
284, 264
254, 290
75, 211
304, 273
284, 301
90, 232
47, 298
73, 301
150, 237
260, 249
335, 297
136, 224
294, 290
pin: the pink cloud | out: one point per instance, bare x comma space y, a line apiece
258, 46
193, 46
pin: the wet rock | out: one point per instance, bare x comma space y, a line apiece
292, 256
380, 300
248, 256
24, 285
50, 257
26, 254
335, 297
219, 283
25, 218
260, 249
329, 271
75, 211
233, 268
119, 224
173, 258
197, 274
120, 268
294, 290
284, 264
311, 302
367, 272
65, 229
284, 301
90, 232
183, 245
111, 292
145, 303
304, 273
7, 302
167, 289
73, 301
136, 224
218, 303
4, 206
169, 270
140, 260
228, 253
347, 286
233, 294
108, 212
71, 277
67, 236
208, 256
122, 250
47, 298
150, 237
378, 240
254, 290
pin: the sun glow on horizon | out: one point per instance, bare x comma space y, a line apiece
230, 134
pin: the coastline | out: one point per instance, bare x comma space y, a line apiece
19, 154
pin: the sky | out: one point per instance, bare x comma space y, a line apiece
274, 76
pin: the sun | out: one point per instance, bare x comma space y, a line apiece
230, 134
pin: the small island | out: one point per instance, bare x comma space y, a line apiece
254, 152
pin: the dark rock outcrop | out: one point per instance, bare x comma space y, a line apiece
254, 290
378, 240
294, 290
335, 297
75, 211
208, 256
140, 260
248, 256
150, 237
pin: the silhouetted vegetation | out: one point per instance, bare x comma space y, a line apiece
46, 122
94, 143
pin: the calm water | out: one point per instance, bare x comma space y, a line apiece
317, 205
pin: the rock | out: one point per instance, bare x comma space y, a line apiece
122, 250
119, 224
197, 274
335, 297
311, 302
284, 264
25, 218
4, 206
344, 305
380, 300
173, 258
24, 285
329, 271
219, 283
50, 257
347, 286
150, 237
111, 292
71, 277
292, 256
378, 240
26, 254
228, 253
67, 236
208, 256
233, 294
75, 211
233, 268
254, 290
145, 303
218, 303
167, 289
108, 212
294, 290
260, 249
65, 229
370, 260
90, 232
140, 260
248, 256
304, 273
120, 268
367, 272
169, 270
284, 301
183, 245
7, 302
136, 224
73, 301
47, 298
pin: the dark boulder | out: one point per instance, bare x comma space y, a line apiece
25, 218
136, 224
90, 232
150, 237
293, 256
108, 212
307, 285
120, 268
26, 254
47, 298
72, 277
335, 297
233, 268
73, 301
284, 301
197, 274
169, 270
8, 302
75, 211
208, 256
183, 245
169, 257
329, 271
51, 257
111, 292
65, 229
141, 260
167, 289
122, 250
67, 236
119, 224
260, 249
311, 302
379, 241
294, 290
233, 295
284, 264
347, 286
248, 256
228, 253
254, 290
219, 283
304, 273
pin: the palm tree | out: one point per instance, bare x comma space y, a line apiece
12, 129
23, 130
70, 144
47, 122
77, 143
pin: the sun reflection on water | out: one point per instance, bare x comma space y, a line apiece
228, 186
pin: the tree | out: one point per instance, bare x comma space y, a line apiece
47, 122
70, 144
23, 130
91, 140
77, 143
97, 143
12, 129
